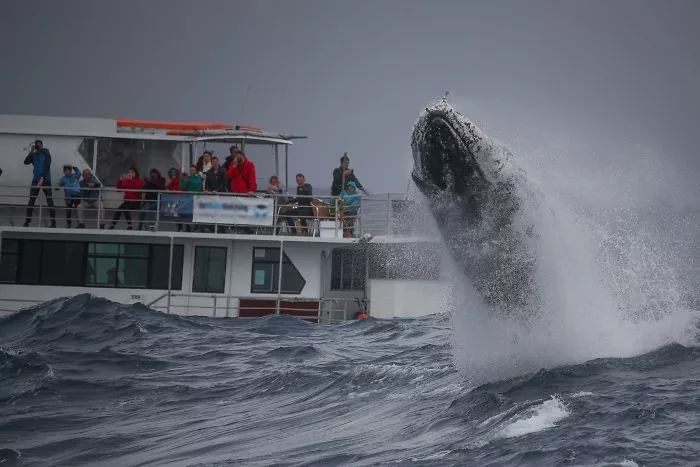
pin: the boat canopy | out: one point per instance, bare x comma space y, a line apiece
139, 129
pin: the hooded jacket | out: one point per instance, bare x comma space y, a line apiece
351, 200
192, 183
242, 177
41, 160
128, 185
151, 184
71, 184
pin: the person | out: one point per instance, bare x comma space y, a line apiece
129, 182
299, 206
155, 182
231, 156
342, 175
90, 198
241, 173
174, 185
351, 206
40, 158
204, 163
71, 191
193, 181
215, 179
174, 182
274, 187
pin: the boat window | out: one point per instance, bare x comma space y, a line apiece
126, 265
117, 265
62, 263
265, 273
29, 262
348, 268
114, 155
209, 269
87, 150
160, 265
9, 261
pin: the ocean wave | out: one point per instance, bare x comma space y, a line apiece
537, 418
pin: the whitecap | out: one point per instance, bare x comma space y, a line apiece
538, 418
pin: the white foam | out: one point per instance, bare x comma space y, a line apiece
577, 395
538, 418
628, 463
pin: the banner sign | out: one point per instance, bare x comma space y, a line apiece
233, 210
176, 206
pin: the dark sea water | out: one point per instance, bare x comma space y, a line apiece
84, 381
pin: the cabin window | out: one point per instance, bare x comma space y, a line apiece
9, 261
348, 268
117, 265
160, 265
29, 262
265, 273
62, 263
125, 265
209, 269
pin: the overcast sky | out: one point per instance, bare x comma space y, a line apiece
353, 75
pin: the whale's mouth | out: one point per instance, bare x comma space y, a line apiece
442, 159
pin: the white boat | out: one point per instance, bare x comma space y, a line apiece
242, 258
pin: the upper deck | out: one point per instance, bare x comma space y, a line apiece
110, 146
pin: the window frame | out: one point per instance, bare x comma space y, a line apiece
352, 255
117, 256
17, 254
275, 272
38, 266
194, 268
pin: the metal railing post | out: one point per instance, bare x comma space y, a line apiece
157, 226
170, 270
279, 278
100, 205
214, 314
40, 205
337, 218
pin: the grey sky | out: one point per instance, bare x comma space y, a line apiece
352, 75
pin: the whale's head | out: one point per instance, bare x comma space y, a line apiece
447, 154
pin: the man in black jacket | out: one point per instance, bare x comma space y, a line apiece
215, 179
342, 175
40, 158
300, 205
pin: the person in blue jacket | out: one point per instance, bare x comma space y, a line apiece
351, 205
40, 158
71, 190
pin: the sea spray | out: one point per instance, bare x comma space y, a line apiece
604, 292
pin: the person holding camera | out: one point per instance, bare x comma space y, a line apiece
342, 175
40, 158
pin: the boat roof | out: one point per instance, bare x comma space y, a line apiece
37, 125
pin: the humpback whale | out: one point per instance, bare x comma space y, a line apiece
478, 199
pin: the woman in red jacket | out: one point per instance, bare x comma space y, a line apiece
128, 182
241, 173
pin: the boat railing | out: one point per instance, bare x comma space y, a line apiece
321, 311
203, 212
